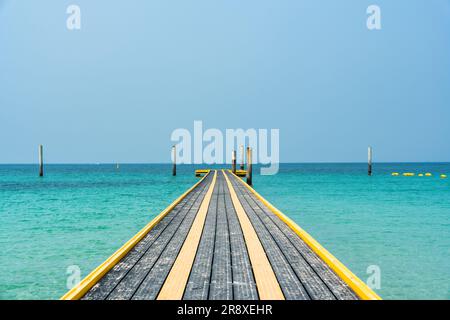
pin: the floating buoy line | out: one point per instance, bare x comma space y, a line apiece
412, 174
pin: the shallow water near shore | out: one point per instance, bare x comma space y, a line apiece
80, 214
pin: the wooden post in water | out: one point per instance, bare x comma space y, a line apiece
369, 155
241, 150
41, 160
233, 161
174, 159
249, 166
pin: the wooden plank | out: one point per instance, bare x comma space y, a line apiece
287, 278
105, 286
314, 285
197, 287
266, 281
221, 287
175, 283
244, 285
177, 228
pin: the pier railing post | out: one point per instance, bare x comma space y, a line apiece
241, 150
41, 160
369, 155
233, 161
174, 159
249, 166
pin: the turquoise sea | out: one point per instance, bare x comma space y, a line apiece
80, 214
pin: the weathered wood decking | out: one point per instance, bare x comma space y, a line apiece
220, 241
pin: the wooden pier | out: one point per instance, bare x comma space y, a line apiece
221, 241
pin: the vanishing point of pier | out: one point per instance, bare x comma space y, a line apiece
221, 240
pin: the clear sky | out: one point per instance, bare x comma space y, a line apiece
116, 89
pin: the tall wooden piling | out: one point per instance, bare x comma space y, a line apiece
233, 161
249, 166
174, 159
369, 159
241, 150
41, 160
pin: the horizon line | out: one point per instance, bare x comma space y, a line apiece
216, 164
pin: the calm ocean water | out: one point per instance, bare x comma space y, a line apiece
80, 214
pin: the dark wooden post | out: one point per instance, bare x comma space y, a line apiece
233, 161
369, 155
174, 159
241, 150
249, 166
41, 160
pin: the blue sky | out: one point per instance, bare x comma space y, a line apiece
116, 89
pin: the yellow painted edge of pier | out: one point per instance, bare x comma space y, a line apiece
266, 282
356, 284
175, 283
90, 280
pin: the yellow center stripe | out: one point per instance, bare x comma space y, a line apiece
266, 281
175, 283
